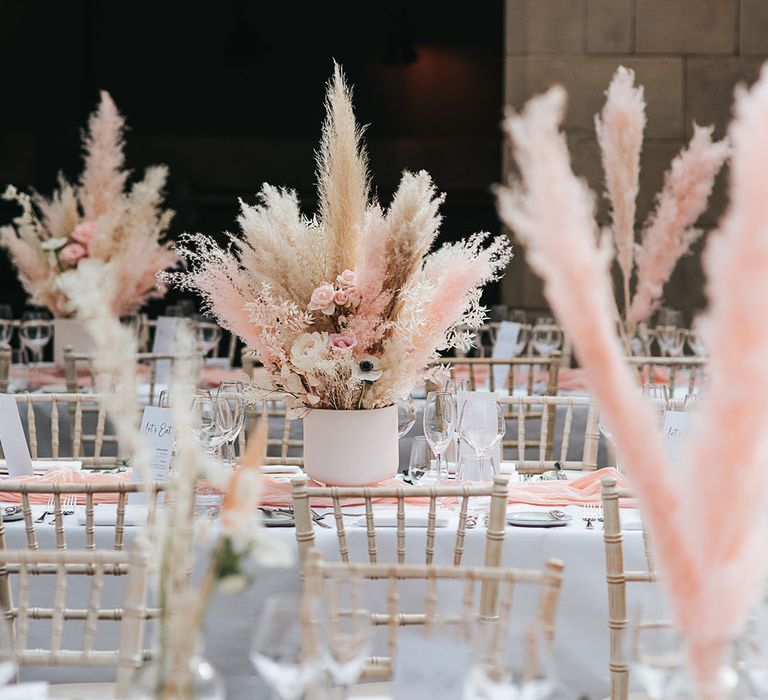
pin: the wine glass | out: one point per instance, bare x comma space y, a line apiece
277, 651
231, 413
6, 324
207, 333
696, 339
670, 332
207, 421
546, 336
521, 318
658, 395
692, 402
35, 333
420, 461
640, 345
346, 629
511, 661
657, 657
607, 433
481, 426
439, 422
406, 416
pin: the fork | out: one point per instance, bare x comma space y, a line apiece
68, 505
48, 510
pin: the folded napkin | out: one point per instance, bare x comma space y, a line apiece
25, 691
106, 514
65, 476
46, 465
389, 519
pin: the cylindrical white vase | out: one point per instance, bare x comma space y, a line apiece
351, 448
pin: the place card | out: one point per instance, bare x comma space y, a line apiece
159, 436
429, 669
165, 334
506, 340
13, 439
677, 425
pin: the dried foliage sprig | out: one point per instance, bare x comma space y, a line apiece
97, 224
713, 572
345, 310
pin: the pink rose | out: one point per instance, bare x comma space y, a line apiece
322, 299
348, 278
71, 253
83, 232
340, 298
354, 297
342, 341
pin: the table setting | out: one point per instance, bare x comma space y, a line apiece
359, 515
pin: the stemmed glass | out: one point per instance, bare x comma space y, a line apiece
277, 652
657, 657
696, 340
207, 333
481, 426
439, 423
35, 333
230, 406
6, 329
346, 629
406, 416
546, 336
670, 332
607, 433
511, 661
658, 395
208, 416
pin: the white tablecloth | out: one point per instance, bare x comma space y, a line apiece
582, 630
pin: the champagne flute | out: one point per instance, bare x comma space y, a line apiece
229, 395
276, 647
439, 422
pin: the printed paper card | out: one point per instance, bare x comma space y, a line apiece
13, 439
159, 435
506, 340
677, 424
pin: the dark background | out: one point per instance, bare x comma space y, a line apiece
230, 95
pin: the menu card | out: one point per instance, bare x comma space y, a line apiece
159, 436
165, 334
506, 340
430, 669
677, 425
13, 439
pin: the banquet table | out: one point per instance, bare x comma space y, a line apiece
581, 650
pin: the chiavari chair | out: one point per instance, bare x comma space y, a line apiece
81, 649
497, 492
617, 577
285, 443
89, 432
6, 356
549, 417
503, 581
673, 368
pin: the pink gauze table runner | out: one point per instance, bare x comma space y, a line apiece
581, 491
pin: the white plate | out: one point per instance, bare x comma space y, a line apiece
537, 518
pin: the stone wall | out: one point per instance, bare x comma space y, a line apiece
688, 54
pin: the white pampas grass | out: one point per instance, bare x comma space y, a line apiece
342, 178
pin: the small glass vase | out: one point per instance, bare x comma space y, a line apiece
202, 682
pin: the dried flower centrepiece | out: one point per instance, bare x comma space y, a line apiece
94, 228
347, 309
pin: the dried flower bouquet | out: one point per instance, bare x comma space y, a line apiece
95, 225
344, 310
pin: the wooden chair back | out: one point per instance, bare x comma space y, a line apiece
691, 370
87, 425
617, 577
503, 581
285, 442
6, 356
498, 492
555, 417
79, 649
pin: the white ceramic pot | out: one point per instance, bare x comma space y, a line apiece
67, 331
351, 448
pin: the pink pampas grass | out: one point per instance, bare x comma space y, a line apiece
668, 233
713, 570
620, 135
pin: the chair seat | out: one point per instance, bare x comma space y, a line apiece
82, 691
